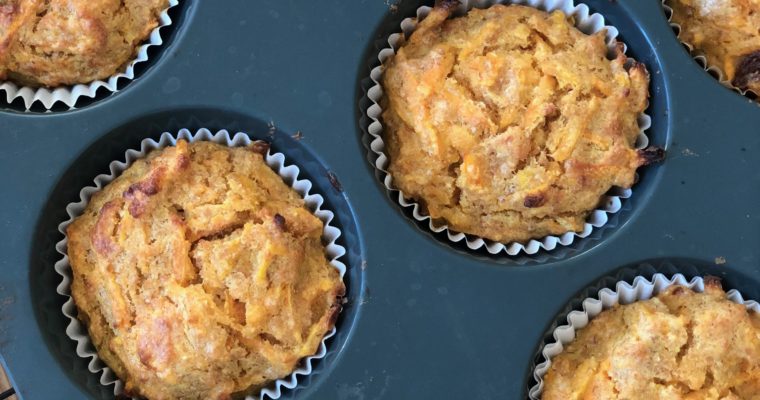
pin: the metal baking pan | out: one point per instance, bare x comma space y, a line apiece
425, 319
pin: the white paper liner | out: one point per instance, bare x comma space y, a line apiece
624, 293
609, 204
278, 163
69, 95
701, 58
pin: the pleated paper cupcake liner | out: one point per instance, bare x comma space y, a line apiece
701, 58
277, 161
70, 95
611, 203
640, 289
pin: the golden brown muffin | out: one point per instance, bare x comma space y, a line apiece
509, 123
65, 42
727, 32
678, 345
200, 274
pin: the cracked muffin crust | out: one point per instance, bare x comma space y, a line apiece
509, 123
678, 345
200, 274
64, 42
727, 32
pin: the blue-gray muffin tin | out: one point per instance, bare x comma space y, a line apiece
425, 318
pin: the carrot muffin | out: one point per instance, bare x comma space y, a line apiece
201, 275
727, 32
509, 123
65, 42
677, 345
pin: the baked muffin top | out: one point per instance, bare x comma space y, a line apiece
677, 345
509, 123
727, 32
200, 274
65, 42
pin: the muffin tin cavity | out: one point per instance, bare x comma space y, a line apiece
112, 146
615, 207
17, 98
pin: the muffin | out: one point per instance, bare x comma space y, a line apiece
200, 274
509, 123
66, 42
678, 345
727, 32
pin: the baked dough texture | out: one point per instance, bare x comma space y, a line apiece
201, 275
64, 42
509, 123
679, 345
727, 32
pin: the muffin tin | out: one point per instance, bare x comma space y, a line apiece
425, 318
